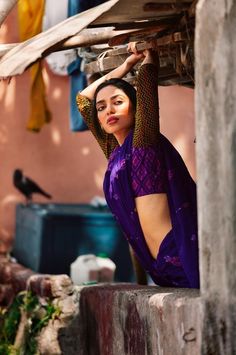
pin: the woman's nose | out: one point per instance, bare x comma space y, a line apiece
110, 109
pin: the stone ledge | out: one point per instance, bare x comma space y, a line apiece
137, 320
126, 319
14, 278
111, 319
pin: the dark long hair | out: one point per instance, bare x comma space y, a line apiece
121, 84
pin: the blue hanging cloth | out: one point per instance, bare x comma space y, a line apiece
77, 83
77, 78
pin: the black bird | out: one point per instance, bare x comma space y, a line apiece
27, 186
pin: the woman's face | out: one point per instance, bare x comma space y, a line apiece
115, 112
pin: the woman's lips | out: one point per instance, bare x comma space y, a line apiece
112, 120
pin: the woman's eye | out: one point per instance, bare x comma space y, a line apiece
100, 108
118, 102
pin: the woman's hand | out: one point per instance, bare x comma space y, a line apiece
150, 55
133, 59
132, 48
135, 56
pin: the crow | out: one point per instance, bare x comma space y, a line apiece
27, 186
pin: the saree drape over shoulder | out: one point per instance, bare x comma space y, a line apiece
148, 163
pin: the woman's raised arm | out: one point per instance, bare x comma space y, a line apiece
118, 72
147, 126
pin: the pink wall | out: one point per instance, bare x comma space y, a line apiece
68, 165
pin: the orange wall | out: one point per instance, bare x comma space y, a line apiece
68, 165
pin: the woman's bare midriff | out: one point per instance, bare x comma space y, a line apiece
154, 217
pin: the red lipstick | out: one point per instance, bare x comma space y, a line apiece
112, 119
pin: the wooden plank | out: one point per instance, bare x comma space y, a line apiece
116, 57
92, 36
138, 25
162, 7
167, 75
173, 38
20, 57
110, 63
175, 67
4, 48
86, 38
136, 35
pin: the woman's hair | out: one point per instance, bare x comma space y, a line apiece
121, 84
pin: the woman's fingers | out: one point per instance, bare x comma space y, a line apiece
149, 53
132, 47
134, 58
142, 47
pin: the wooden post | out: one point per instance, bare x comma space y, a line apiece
215, 68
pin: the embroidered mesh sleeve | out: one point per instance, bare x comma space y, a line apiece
106, 141
147, 126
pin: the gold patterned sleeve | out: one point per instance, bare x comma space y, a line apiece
106, 141
147, 126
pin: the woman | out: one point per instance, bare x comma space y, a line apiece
147, 185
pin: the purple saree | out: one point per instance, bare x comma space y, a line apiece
176, 264
148, 163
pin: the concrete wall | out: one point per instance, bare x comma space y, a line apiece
139, 320
216, 157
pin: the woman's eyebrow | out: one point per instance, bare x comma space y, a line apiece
115, 96
112, 98
100, 102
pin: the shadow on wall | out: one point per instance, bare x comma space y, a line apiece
177, 121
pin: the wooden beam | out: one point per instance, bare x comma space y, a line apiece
86, 38
132, 11
116, 57
136, 35
163, 6
147, 23
92, 36
173, 38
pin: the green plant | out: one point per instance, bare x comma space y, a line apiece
37, 314
9, 321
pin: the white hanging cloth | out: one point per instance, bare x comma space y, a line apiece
58, 61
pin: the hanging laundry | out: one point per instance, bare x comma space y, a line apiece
78, 82
78, 79
58, 61
30, 14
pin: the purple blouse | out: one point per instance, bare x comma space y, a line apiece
177, 262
